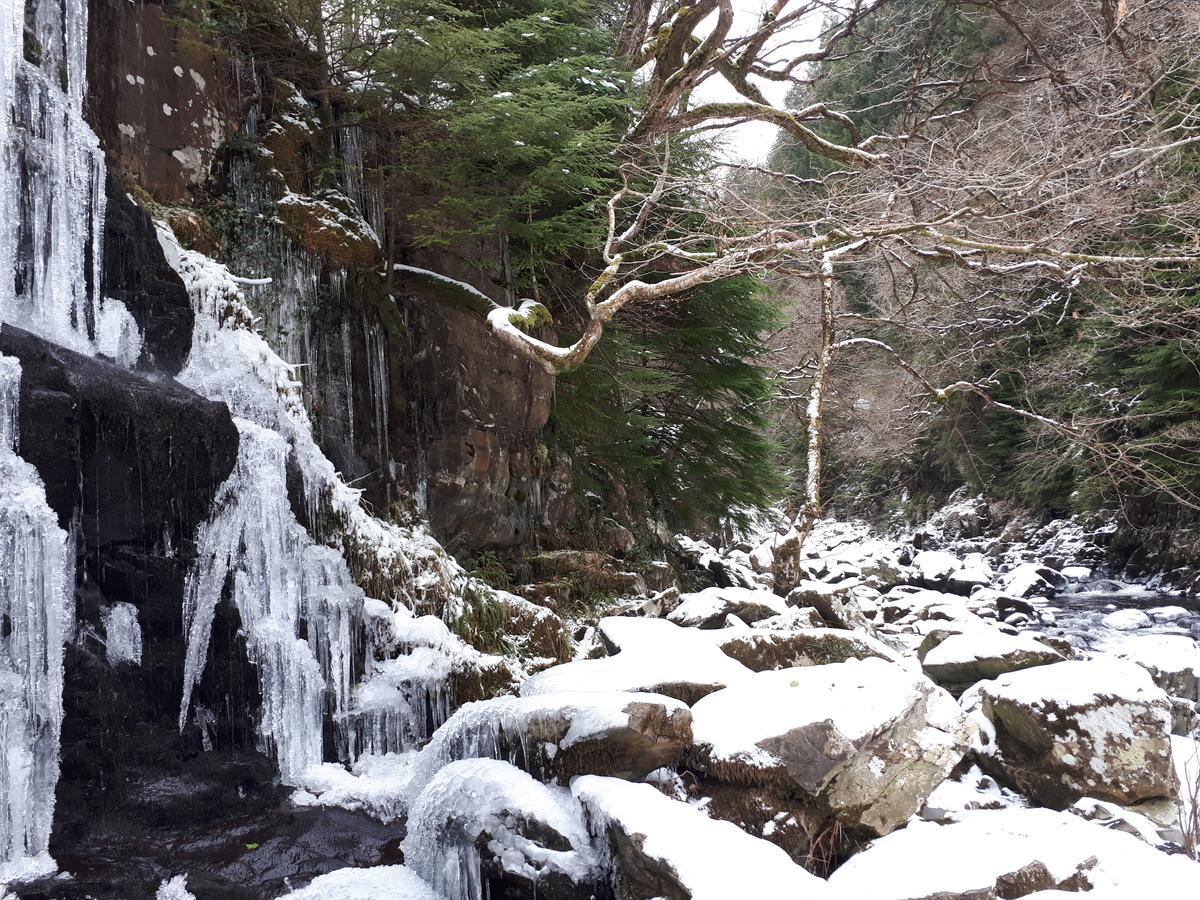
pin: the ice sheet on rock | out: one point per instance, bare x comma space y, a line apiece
968, 857
36, 604
231, 363
378, 883
399, 704
712, 859
473, 796
654, 655
377, 785
122, 634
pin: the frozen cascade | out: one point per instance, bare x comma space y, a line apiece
281, 583
281, 578
36, 583
52, 188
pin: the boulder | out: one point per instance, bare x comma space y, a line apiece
862, 742
958, 659
837, 604
1127, 620
975, 573
663, 848
557, 736
990, 854
962, 518
933, 568
538, 632
802, 617
1031, 580
1097, 728
648, 655
913, 605
709, 607
1169, 614
1173, 661
762, 650
483, 827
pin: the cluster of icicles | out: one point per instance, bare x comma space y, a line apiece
51, 222
298, 605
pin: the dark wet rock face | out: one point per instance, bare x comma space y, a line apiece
135, 459
246, 851
136, 273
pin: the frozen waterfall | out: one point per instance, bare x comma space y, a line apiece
36, 581
282, 584
52, 185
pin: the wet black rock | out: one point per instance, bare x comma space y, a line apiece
137, 273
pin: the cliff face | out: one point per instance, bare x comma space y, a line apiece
409, 396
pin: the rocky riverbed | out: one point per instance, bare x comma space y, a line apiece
971, 719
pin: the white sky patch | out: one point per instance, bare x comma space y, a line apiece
751, 142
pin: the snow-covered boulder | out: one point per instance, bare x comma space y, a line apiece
660, 847
933, 568
484, 828
557, 736
958, 659
962, 518
1127, 620
793, 618
649, 656
709, 607
1096, 728
837, 603
1168, 614
1173, 661
1013, 853
376, 883
974, 573
908, 605
1031, 580
763, 650
862, 741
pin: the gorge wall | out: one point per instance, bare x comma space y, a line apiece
203, 466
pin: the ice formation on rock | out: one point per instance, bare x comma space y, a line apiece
122, 634
36, 582
281, 583
484, 801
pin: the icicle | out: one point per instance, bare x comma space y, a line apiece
36, 582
